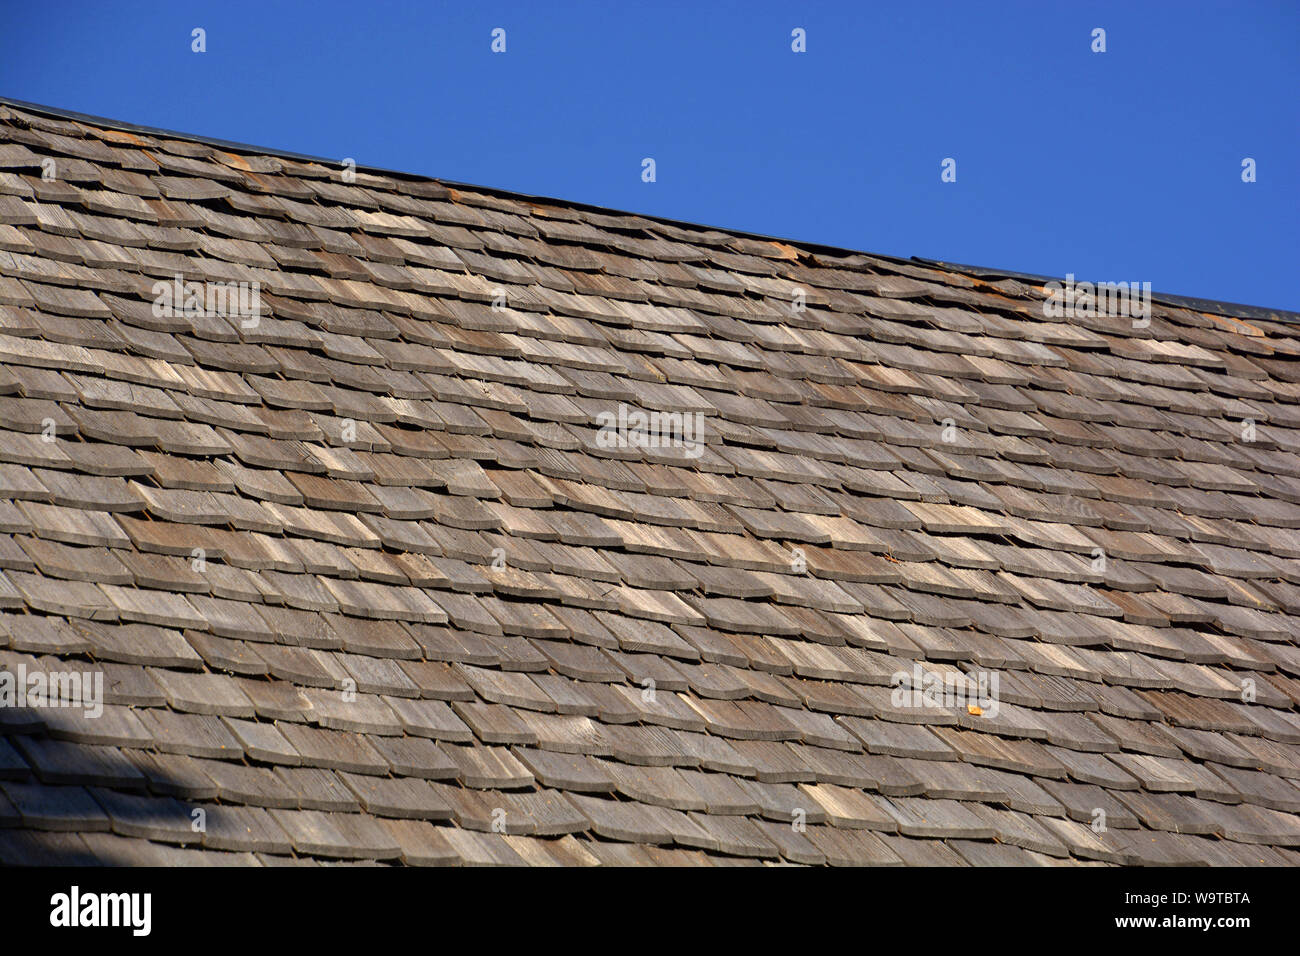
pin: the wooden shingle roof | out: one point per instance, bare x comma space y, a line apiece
366, 579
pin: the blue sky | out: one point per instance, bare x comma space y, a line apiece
1122, 165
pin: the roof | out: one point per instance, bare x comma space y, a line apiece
375, 564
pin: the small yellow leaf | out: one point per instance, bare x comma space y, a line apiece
975, 709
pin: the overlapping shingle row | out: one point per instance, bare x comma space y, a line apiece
366, 581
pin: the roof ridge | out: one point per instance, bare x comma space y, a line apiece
1215, 306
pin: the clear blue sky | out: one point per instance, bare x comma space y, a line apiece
1123, 165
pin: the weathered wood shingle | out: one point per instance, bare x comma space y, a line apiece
398, 569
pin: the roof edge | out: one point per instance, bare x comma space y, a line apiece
1214, 306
